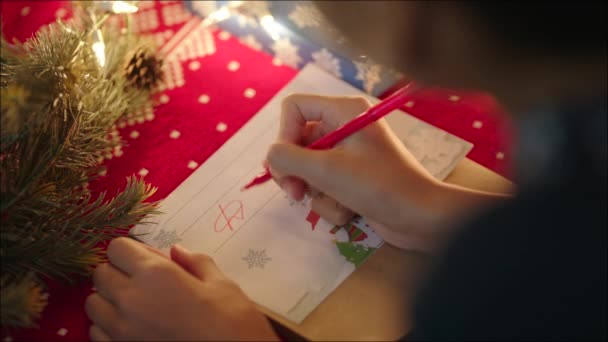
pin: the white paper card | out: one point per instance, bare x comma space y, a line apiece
260, 239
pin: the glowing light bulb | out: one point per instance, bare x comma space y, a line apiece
99, 50
123, 7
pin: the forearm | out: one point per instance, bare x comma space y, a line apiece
456, 198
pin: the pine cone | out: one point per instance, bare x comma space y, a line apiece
144, 70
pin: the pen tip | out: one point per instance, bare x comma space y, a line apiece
247, 186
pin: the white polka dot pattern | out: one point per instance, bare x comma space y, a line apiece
192, 165
194, 65
249, 93
204, 99
233, 66
221, 127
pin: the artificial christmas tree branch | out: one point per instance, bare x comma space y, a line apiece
62, 91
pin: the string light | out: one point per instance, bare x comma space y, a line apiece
116, 7
123, 7
99, 48
119, 7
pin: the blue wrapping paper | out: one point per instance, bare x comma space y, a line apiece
299, 35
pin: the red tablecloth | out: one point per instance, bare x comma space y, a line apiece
215, 85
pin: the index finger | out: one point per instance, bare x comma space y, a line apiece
330, 111
127, 254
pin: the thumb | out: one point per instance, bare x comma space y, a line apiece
199, 265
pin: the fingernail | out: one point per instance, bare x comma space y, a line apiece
288, 188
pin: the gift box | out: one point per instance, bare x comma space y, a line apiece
296, 33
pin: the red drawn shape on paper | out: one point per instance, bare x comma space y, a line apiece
313, 218
233, 210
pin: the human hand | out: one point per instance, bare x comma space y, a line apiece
369, 173
143, 295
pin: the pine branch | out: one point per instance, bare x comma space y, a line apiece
22, 301
58, 105
65, 237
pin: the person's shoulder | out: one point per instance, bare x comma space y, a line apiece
534, 268
549, 234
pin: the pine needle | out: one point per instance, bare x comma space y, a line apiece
58, 107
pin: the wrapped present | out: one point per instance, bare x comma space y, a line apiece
296, 33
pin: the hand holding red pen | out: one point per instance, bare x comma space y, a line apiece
368, 116
370, 172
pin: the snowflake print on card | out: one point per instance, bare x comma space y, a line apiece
166, 239
306, 16
286, 52
256, 258
327, 62
368, 73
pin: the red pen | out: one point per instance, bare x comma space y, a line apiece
396, 100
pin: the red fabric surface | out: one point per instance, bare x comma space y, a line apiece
167, 155
200, 111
